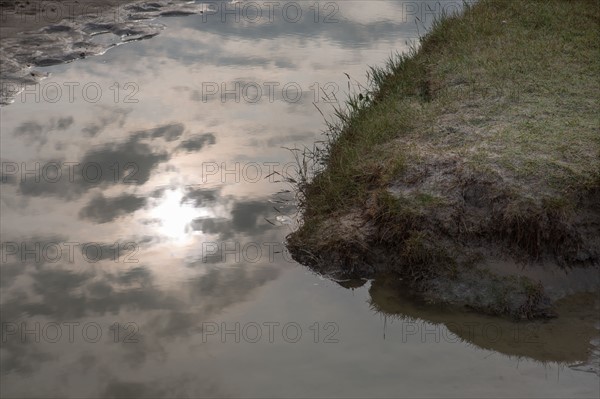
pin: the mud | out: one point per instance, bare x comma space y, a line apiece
40, 34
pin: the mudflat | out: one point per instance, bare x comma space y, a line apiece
22, 16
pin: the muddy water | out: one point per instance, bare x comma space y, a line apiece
143, 228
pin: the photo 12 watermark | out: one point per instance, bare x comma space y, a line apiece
68, 172
236, 252
254, 92
426, 12
68, 252
52, 12
452, 332
70, 332
247, 172
254, 12
71, 92
270, 332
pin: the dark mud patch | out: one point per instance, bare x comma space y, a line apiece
73, 37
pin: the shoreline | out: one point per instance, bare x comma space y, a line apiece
480, 148
19, 16
39, 34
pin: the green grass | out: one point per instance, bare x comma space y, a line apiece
500, 102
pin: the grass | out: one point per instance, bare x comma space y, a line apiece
488, 132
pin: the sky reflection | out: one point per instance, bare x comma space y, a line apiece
178, 210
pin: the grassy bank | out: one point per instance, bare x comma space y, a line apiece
482, 144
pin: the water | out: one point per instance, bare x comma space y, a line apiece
173, 278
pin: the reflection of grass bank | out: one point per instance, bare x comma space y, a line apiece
565, 339
484, 143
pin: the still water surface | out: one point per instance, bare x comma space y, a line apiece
161, 269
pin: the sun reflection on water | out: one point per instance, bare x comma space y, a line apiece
175, 216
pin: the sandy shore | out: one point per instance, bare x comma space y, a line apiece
20, 16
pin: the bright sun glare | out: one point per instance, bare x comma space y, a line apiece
175, 216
